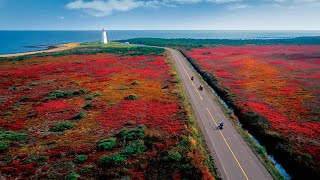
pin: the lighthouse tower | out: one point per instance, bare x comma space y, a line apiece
104, 37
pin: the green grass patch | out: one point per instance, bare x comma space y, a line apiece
133, 134
80, 159
24, 99
12, 136
173, 156
81, 115
134, 83
106, 144
112, 159
64, 94
72, 176
4, 146
135, 148
123, 88
63, 126
88, 106
132, 97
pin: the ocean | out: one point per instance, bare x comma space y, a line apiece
24, 41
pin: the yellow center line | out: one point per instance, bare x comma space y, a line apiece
189, 78
228, 146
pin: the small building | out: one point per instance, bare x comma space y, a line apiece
104, 37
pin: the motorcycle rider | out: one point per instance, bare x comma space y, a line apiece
221, 124
191, 77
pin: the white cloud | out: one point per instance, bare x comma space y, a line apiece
60, 17
210, 1
101, 8
238, 6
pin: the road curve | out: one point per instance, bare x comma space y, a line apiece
233, 157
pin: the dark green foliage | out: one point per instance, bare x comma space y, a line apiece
123, 88
58, 94
134, 149
89, 98
165, 87
96, 94
80, 159
81, 115
133, 134
8, 113
72, 176
63, 126
173, 156
81, 91
132, 97
135, 83
87, 106
12, 136
86, 168
112, 159
4, 146
107, 144
24, 99
128, 123
93, 96
195, 43
64, 94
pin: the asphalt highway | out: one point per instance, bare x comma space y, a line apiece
233, 157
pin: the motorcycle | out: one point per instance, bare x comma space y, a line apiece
221, 125
201, 87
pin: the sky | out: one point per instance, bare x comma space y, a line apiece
160, 14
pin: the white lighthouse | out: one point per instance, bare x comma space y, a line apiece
104, 37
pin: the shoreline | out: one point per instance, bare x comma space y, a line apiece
51, 48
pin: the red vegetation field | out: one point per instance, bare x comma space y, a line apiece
95, 116
280, 83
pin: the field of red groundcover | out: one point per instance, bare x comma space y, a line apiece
275, 91
94, 115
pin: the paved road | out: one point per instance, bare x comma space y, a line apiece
233, 157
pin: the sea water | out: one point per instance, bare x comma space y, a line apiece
24, 41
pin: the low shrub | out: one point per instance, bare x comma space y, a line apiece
123, 88
133, 134
72, 176
4, 146
132, 97
81, 91
24, 99
81, 115
134, 149
87, 106
173, 156
12, 136
106, 144
80, 159
58, 94
112, 159
135, 83
8, 113
63, 126
64, 94
165, 87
